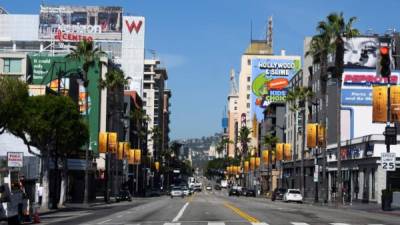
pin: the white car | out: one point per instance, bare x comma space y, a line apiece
177, 192
293, 195
186, 191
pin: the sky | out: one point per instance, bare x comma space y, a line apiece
199, 41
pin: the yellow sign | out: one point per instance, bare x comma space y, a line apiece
112, 142
252, 163
311, 135
288, 151
157, 166
138, 155
257, 162
321, 135
279, 151
395, 104
246, 166
103, 142
379, 104
120, 152
127, 146
265, 156
131, 156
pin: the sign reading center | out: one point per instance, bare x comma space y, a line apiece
388, 161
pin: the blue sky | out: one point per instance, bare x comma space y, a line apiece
200, 41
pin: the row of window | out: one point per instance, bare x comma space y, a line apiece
12, 65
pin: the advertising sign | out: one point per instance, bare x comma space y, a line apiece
361, 52
279, 151
15, 159
287, 151
395, 103
388, 161
45, 69
270, 80
312, 135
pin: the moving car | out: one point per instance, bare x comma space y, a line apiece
224, 184
293, 195
278, 194
185, 190
250, 193
234, 191
208, 187
177, 192
217, 187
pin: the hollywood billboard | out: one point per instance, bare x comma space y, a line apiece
270, 81
361, 52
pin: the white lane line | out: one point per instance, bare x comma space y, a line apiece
172, 223
216, 223
297, 223
180, 213
259, 223
105, 221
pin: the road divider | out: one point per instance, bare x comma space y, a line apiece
241, 213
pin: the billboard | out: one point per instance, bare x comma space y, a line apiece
15, 159
73, 23
270, 80
361, 52
44, 70
357, 86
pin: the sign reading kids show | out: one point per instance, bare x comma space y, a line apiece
270, 80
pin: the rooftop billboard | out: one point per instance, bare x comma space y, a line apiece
270, 80
361, 52
62, 22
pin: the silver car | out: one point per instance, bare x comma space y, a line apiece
177, 192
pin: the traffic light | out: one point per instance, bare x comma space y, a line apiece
385, 61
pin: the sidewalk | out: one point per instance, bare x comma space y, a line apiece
75, 206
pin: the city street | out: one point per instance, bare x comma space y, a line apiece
215, 208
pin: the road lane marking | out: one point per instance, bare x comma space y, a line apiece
172, 223
105, 221
259, 223
241, 213
216, 223
180, 213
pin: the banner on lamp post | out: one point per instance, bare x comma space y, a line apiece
311, 135
288, 151
112, 142
395, 103
103, 142
279, 151
379, 104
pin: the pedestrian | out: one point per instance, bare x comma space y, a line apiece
40, 193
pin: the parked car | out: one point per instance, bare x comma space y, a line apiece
278, 194
234, 191
177, 192
293, 195
185, 190
217, 187
250, 193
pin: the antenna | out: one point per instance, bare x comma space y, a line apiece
269, 37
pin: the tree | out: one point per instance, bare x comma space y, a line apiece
89, 56
244, 141
298, 98
270, 142
53, 126
222, 145
335, 28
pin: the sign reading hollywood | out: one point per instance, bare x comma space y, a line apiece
15, 159
270, 80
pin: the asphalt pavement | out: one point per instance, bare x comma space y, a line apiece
215, 208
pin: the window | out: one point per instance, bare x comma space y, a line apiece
249, 62
235, 108
248, 105
248, 96
146, 86
248, 87
144, 95
248, 79
12, 65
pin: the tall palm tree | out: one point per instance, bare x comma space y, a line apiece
244, 140
222, 145
319, 49
270, 142
89, 55
336, 28
298, 98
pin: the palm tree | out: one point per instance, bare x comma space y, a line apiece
298, 98
244, 141
89, 56
319, 49
222, 145
336, 28
270, 142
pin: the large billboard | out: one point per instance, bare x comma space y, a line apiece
74, 23
361, 52
270, 81
45, 70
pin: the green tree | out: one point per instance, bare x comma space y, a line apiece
270, 142
244, 140
89, 55
335, 28
222, 145
53, 125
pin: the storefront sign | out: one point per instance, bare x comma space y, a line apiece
15, 159
73, 37
388, 161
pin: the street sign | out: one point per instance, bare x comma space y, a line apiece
388, 161
316, 173
15, 159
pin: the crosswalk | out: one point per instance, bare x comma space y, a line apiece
109, 222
